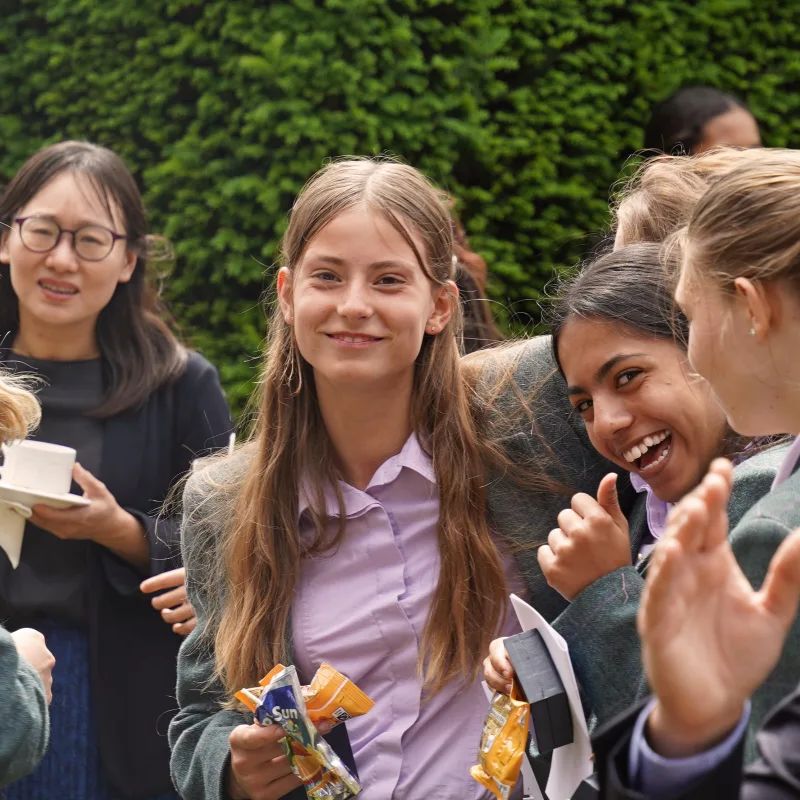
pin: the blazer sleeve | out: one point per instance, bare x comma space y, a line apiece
775, 775
599, 626
198, 734
549, 458
611, 746
754, 542
202, 425
24, 723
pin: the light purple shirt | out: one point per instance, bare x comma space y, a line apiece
363, 608
657, 510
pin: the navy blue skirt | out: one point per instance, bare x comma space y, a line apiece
71, 767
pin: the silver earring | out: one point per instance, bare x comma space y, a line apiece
752, 331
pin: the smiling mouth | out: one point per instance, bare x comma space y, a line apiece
65, 291
353, 338
649, 452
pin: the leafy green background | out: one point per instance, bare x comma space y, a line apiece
525, 111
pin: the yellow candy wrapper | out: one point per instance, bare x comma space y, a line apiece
505, 735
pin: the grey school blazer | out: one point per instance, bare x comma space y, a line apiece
600, 624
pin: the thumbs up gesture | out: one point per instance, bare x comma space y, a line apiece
590, 541
709, 639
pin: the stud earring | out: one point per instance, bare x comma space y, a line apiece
752, 331
432, 329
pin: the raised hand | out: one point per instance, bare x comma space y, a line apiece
708, 638
591, 540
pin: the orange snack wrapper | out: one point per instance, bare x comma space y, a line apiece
250, 697
505, 735
330, 697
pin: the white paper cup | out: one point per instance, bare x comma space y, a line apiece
38, 466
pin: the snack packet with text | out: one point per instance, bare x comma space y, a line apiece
330, 697
312, 759
503, 743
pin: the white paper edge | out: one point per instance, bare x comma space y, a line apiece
572, 763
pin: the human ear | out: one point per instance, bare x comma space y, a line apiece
444, 299
5, 256
284, 286
128, 268
758, 306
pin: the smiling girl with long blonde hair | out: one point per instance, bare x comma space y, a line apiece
351, 528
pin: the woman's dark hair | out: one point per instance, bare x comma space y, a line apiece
629, 288
139, 351
679, 120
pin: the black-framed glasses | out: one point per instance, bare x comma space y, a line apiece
90, 242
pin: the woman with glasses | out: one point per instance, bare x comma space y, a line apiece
77, 311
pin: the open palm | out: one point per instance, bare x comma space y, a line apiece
708, 638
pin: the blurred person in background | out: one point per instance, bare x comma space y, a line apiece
697, 118
479, 327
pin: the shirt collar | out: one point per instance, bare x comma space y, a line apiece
789, 463
411, 457
657, 509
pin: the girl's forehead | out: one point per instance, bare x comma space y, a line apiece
586, 343
364, 234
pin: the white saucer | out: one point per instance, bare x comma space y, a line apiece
30, 497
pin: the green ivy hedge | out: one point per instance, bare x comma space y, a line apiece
524, 110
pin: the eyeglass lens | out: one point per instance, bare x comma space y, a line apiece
91, 242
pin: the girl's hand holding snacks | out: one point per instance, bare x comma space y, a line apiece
300, 714
259, 767
497, 669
